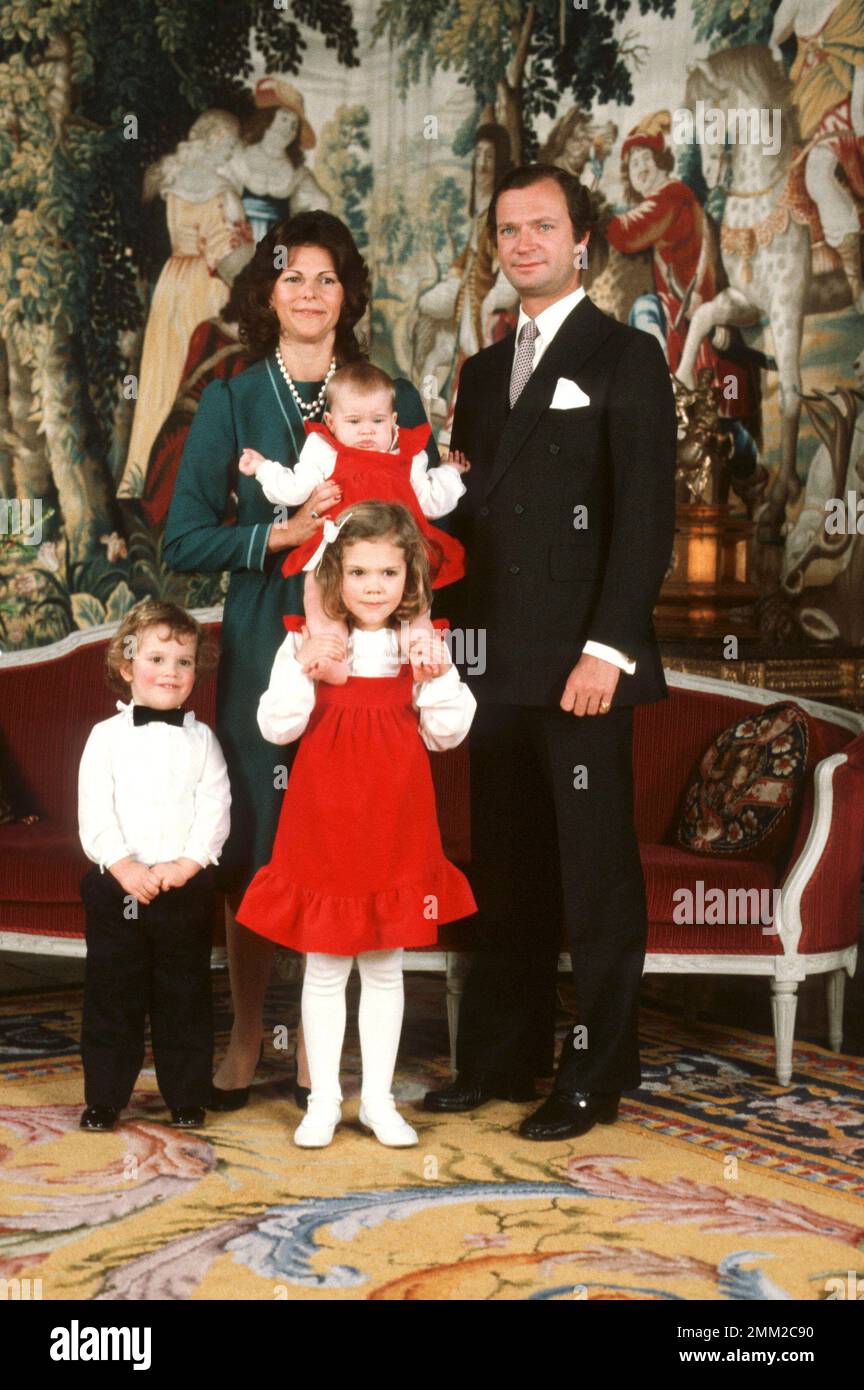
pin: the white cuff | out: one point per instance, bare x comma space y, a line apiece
200, 854
443, 687
610, 654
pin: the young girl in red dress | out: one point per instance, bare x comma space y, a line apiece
357, 866
361, 447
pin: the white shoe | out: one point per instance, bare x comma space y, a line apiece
316, 1129
387, 1125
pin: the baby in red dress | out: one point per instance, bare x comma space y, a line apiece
358, 868
361, 447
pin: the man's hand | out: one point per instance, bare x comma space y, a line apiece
590, 686
136, 879
173, 873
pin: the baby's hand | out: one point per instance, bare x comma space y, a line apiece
429, 656
250, 461
327, 646
457, 459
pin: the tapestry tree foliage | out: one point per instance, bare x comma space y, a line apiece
91, 93
728, 22
525, 56
72, 73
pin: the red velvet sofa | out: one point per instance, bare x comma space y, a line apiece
50, 698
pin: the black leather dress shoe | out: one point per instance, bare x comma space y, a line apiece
567, 1116
467, 1092
98, 1117
188, 1116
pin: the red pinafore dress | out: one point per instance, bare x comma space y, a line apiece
366, 474
357, 861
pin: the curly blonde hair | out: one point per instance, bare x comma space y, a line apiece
156, 613
378, 521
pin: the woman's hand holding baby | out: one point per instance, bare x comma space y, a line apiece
307, 519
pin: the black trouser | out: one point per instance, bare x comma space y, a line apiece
155, 961
542, 851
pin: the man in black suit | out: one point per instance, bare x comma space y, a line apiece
568, 524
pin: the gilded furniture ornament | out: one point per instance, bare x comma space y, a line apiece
707, 582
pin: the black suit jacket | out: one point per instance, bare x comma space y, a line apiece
535, 585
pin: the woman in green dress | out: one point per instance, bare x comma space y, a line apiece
301, 296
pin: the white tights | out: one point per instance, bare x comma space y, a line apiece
382, 999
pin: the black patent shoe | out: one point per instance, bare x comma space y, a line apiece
567, 1116
468, 1092
188, 1116
232, 1100
98, 1117
228, 1100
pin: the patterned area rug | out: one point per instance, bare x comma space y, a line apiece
715, 1184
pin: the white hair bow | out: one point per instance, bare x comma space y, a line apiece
331, 531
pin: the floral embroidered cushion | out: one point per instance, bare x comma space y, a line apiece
741, 797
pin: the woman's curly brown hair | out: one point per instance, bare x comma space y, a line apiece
378, 521
156, 613
259, 325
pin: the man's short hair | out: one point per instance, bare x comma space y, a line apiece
525, 176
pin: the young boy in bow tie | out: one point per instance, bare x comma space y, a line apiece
153, 815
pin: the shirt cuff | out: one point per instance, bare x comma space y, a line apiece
109, 852
201, 855
611, 654
445, 686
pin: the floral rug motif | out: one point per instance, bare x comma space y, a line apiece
716, 1183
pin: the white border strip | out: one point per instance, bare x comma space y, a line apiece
758, 695
34, 656
682, 680
73, 947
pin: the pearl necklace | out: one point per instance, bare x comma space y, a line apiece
307, 408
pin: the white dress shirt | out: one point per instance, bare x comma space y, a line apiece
437, 489
445, 705
154, 792
547, 322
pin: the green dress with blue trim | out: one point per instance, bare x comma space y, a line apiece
252, 410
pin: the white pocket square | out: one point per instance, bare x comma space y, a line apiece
568, 396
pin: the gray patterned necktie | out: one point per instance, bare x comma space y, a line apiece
523, 361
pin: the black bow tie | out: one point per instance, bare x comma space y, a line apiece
142, 714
